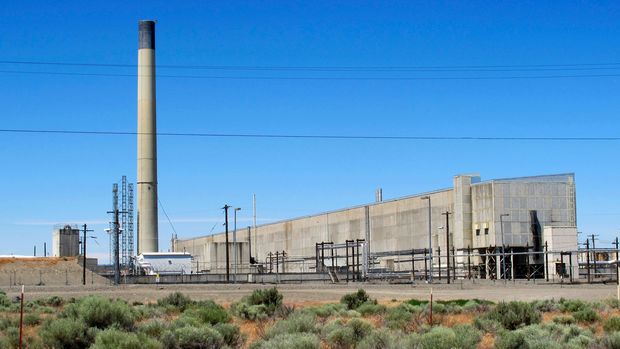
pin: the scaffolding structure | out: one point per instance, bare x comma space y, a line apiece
124, 246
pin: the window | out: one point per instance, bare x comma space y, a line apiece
486, 231
477, 232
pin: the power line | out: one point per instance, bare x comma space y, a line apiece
167, 217
314, 136
365, 78
513, 67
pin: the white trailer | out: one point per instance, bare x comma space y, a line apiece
164, 263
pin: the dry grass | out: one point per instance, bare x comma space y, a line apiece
487, 341
458, 319
36, 261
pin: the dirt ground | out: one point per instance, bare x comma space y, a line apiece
315, 293
50, 271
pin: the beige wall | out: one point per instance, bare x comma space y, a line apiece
402, 224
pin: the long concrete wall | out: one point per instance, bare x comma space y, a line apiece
402, 224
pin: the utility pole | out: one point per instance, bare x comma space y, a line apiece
617, 265
594, 253
225, 208
447, 214
84, 253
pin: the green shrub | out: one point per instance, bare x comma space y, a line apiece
326, 310
545, 305
231, 334
101, 313
572, 305
349, 335
5, 342
54, 301
613, 303
380, 339
47, 310
527, 337
612, 324
513, 315
545, 336
467, 336
360, 328
341, 338
299, 322
153, 328
472, 306
438, 308
354, 300
5, 302
189, 337
564, 320
32, 319
352, 313
487, 325
438, 338
208, 312
289, 341
115, 339
250, 312
12, 337
370, 308
611, 341
416, 302
7, 322
66, 334
176, 300
269, 297
398, 318
260, 304
587, 315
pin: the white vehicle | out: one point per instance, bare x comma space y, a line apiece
164, 263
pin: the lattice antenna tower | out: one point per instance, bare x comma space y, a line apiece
130, 235
124, 246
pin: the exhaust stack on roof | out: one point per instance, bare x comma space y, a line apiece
147, 140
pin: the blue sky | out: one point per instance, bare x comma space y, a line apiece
48, 179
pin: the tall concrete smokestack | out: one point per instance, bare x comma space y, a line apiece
147, 140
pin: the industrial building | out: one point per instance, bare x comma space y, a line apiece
473, 217
66, 241
481, 223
